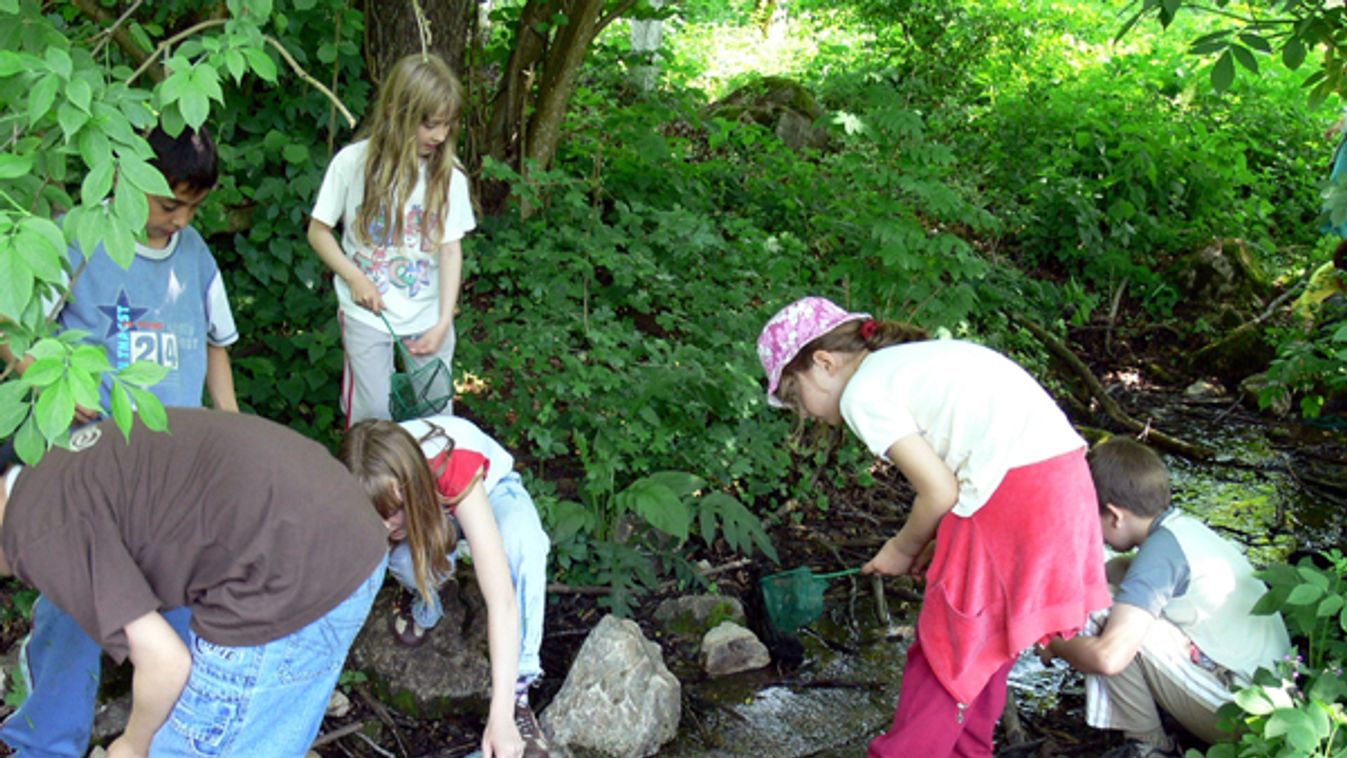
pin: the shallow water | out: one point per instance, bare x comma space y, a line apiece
1271, 489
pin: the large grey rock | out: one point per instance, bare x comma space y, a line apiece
730, 648
447, 673
618, 698
697, 614
784, 106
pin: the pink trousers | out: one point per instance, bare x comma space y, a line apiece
927, 722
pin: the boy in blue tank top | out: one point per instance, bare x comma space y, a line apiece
169, 307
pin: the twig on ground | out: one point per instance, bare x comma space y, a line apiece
382, 713
337, 734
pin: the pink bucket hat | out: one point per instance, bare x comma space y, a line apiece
792, 328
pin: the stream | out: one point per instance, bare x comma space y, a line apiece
1274, 486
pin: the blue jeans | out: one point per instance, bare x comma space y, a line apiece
526, 548
63, 669
266, 699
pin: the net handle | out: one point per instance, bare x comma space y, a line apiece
835, 574
406, 354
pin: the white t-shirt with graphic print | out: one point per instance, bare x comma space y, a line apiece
406, 271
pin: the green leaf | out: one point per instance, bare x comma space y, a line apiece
11, 63
71, 119
16, 278
94, 147
41, 97
295, 153
1254, 700
118, 240
29, 443
1293, 53
14, 406
195, 107
85, 388
1304, 595
681, 483
1245, 58
97, 183
44, 372
80, 94
262, 64
143, 374
1223, 72
658, 505
144, 177
150, 409
13, 166
90, 358
42, 259
206, 80
236, 64
58, 61
121, 409
1311, 575
305, 5
1255, 41
55, 408
175, 86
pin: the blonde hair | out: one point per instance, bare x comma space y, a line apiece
418, 88
846, 337
389, 463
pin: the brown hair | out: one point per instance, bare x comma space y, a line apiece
846, 337
418, 88
1129, 475
388, 462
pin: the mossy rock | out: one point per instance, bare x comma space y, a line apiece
784, 106
1226, 272
1239, 354
695, 615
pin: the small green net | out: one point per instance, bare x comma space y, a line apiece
794, 598
418, 392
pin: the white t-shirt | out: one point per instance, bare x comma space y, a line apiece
406, 271
466, 436
980, 412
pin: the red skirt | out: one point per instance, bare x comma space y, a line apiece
1027, 565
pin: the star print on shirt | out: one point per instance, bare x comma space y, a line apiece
122, 315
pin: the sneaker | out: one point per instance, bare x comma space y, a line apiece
1139, 749
535, 743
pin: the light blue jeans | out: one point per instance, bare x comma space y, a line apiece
62, 666
526, 548
266, 699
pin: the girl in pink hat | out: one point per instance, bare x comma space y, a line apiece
1004, 501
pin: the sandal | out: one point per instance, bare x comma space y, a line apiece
404, 628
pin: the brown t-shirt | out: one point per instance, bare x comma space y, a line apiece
255, 528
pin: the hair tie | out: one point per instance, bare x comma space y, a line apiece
869, 328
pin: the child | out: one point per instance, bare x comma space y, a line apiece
1001, 483
170, 307
445, 459
1180, 631
265, 538
403, 206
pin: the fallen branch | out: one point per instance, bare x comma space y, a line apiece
1110, 406
337, 734
557, 588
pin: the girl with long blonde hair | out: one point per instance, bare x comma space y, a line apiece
403, 206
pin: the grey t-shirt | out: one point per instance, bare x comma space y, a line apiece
258, 530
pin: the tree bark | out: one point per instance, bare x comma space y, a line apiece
391, 32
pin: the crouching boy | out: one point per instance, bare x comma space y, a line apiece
264, 536
1180, 633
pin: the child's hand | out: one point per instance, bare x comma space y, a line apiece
430, 342
501, 739
122, 748
889, 561
365, 294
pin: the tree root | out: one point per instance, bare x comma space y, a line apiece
1144, 430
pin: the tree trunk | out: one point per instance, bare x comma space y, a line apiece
564, 57
391, 32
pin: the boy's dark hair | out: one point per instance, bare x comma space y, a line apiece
188, 160
8, 455
1340, 256
1129, 475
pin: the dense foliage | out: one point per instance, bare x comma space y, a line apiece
978, 159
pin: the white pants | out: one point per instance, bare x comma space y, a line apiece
369, 364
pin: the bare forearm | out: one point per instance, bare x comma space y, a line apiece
451, 279
921, 524
324, 242
220, 379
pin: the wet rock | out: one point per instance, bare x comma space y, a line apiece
1241, 353
448, 672
784, 106
618, 698
730, 649
338, 705
1204, 390
1251, 391
98, 752
110, 718
694, 615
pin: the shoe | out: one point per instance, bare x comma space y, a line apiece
404, 628
1139, 749
535, 743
